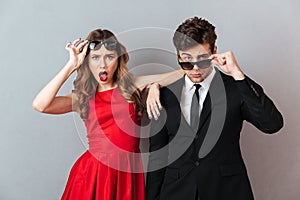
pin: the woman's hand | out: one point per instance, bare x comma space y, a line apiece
227, 63
77, 52
153, 101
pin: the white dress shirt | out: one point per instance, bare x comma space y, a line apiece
188, 91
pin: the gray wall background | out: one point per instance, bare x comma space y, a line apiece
37, 150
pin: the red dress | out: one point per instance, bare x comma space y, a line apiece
111, 169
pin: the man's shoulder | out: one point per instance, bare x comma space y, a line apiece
174, 87
170, 94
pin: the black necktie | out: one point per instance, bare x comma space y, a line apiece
195, 109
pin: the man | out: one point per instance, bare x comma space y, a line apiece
194, 144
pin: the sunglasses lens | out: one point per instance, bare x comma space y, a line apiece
190, 65
110, 45
94, 45
203, 63
186, 65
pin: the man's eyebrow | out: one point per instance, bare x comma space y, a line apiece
203, 55
187, 54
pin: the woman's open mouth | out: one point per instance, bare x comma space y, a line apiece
103, 76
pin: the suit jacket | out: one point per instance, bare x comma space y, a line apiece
207, 163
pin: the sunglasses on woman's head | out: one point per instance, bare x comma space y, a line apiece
190, 65
108, 44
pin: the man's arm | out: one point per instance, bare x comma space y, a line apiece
258, 108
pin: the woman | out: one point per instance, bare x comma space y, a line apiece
109, 101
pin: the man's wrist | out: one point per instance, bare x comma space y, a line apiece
238, 76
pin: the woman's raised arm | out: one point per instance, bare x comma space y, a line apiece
46, 101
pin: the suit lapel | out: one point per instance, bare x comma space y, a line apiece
214, 110
208, 104
176, 88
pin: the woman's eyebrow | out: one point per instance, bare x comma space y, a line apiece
108, 54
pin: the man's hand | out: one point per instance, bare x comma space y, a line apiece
153, 101
227, 63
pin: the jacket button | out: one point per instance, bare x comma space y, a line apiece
197, 163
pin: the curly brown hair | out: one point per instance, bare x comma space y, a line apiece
194, 31
85, 85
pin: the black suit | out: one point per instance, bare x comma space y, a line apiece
207, 164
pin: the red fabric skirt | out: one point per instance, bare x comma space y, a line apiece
90, 179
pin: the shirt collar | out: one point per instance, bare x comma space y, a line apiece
204, 84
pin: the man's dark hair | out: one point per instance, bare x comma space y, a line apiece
194, 31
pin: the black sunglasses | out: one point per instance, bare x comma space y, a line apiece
108, 44
190, 65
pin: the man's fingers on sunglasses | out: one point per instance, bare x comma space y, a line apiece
215, 61
222, 60
213, 56
216, 57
